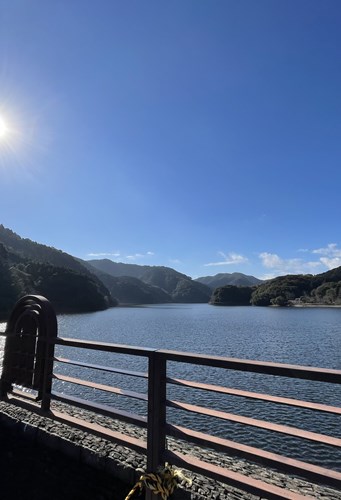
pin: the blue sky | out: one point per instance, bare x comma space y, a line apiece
201, 135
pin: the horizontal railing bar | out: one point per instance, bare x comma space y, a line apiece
24, 394
101, 387
104, 346
131, 418
286, 464
284, 370
119, 438
235, 479
255, 395
100, 367
27, 404
262, 424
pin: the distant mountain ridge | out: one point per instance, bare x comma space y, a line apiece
74, 285
130, 290
223, 279
178, 287
117, 268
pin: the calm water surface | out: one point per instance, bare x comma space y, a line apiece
310, 337
299, 336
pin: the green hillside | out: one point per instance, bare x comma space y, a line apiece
178, 287
74, 285
130, 290
31, 250
321, 289
292, 290
27, 267
223, 279
231, 295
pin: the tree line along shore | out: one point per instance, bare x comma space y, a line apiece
74, 285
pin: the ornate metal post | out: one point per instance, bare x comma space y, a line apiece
29, 348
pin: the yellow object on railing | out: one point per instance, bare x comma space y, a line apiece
163, 483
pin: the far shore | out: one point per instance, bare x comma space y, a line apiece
337, 306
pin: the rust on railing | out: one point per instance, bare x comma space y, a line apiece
29, 361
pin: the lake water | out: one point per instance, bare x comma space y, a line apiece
310, 337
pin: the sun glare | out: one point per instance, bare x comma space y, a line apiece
18, 144
3, 128
9, 146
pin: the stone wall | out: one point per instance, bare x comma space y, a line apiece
96, 469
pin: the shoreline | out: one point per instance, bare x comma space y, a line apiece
313, 306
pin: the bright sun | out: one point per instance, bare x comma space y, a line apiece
16, 153
3, 128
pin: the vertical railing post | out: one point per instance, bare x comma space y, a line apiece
47, 337
47, 374
156, 430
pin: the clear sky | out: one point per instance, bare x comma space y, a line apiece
203, 135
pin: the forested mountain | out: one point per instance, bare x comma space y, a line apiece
37, 252
178, 286
30, 267
130, 290
68, 290
117, 268
323, 289
223, 279
231, 295
188, 291
74, 285
9, 287
290, 290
